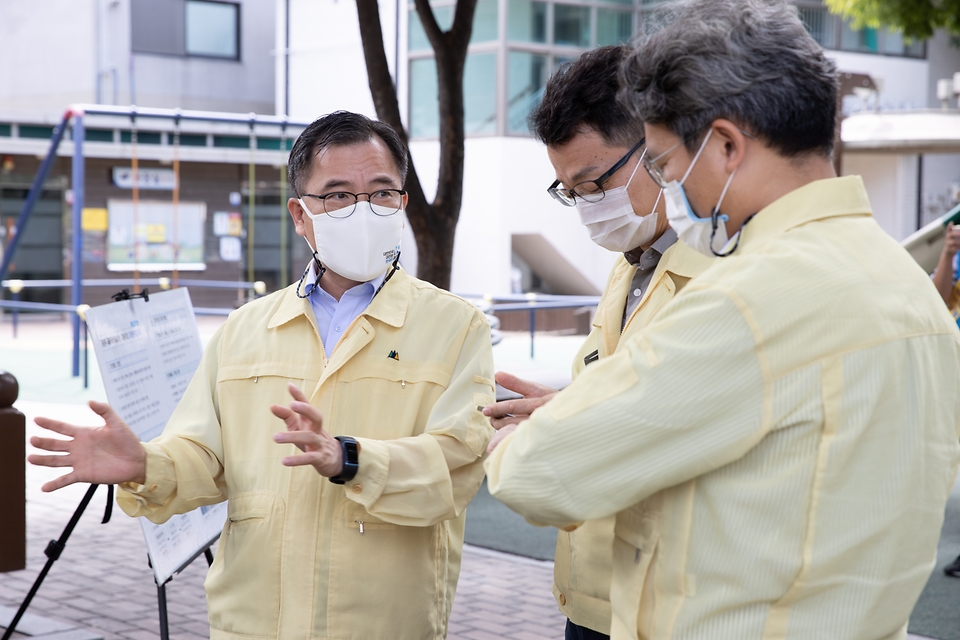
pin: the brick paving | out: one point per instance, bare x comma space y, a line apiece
102, 582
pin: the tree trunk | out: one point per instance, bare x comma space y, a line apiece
433, 224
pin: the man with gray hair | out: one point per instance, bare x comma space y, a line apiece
779, 443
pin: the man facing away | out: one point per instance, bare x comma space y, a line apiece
390, 365
595, 146
778, 444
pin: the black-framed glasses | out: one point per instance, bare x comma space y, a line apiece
342, 204
589, 190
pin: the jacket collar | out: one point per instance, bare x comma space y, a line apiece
389, 306
818, 200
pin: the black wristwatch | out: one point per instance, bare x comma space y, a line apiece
351, 455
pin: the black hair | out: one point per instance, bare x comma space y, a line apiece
583, 93
336, 129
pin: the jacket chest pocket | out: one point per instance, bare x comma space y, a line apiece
246, 391
392, 403
383, 572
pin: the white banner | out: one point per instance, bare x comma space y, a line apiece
151, 178
148, 352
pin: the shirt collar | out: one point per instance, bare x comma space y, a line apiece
664, 242
818, 200
389, 307
318, 291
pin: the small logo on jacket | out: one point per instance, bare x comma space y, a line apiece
394, 355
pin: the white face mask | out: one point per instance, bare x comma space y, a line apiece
706, 235
359, 247
612, 222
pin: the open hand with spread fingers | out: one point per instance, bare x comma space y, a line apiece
305, 430
110, 454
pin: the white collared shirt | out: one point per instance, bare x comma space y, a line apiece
333, 316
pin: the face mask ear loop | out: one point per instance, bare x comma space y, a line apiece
393, 269
715, 219
703, 145
320, 271
659, 195
639, 162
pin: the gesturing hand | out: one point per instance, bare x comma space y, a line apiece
305, 430
110, 454
506, 415
951, 242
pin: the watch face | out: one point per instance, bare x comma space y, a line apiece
351, 449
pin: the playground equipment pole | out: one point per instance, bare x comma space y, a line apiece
76, 268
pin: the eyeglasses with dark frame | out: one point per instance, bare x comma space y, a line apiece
589, 190
342, 204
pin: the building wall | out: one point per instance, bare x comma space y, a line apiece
504, 194
327, 71
48, 56
79, 51
891, 183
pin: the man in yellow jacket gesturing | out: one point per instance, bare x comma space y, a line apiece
392, 366
595, 147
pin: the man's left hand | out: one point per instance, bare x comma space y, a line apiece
305, 430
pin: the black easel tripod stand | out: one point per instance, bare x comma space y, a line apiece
55, 548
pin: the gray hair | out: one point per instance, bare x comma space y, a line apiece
749, 61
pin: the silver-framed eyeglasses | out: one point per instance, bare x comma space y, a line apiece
589, 190
342, 204
656, 173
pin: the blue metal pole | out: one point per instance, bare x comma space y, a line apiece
34, 193
16, 312
76, 269
533, 328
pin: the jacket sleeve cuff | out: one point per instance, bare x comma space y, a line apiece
159, 484
373, 464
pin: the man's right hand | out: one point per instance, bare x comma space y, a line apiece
110, 454
515, 411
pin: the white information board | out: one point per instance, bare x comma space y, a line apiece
148, 352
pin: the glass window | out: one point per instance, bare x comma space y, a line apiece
480, 93
479, 96
418, 37
613, 27
892, 43
212, 29
863, 40
821, 24
526, 77
527, 21
915, 49
571, 25
424, 115
485, 22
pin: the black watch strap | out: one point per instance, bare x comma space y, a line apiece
351, 457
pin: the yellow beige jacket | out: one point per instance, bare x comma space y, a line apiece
778, 444
292, 561
583, 561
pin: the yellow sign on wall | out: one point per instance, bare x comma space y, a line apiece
93, 219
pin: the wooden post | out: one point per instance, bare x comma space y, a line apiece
13, 478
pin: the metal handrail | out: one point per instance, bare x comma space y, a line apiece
119, 282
